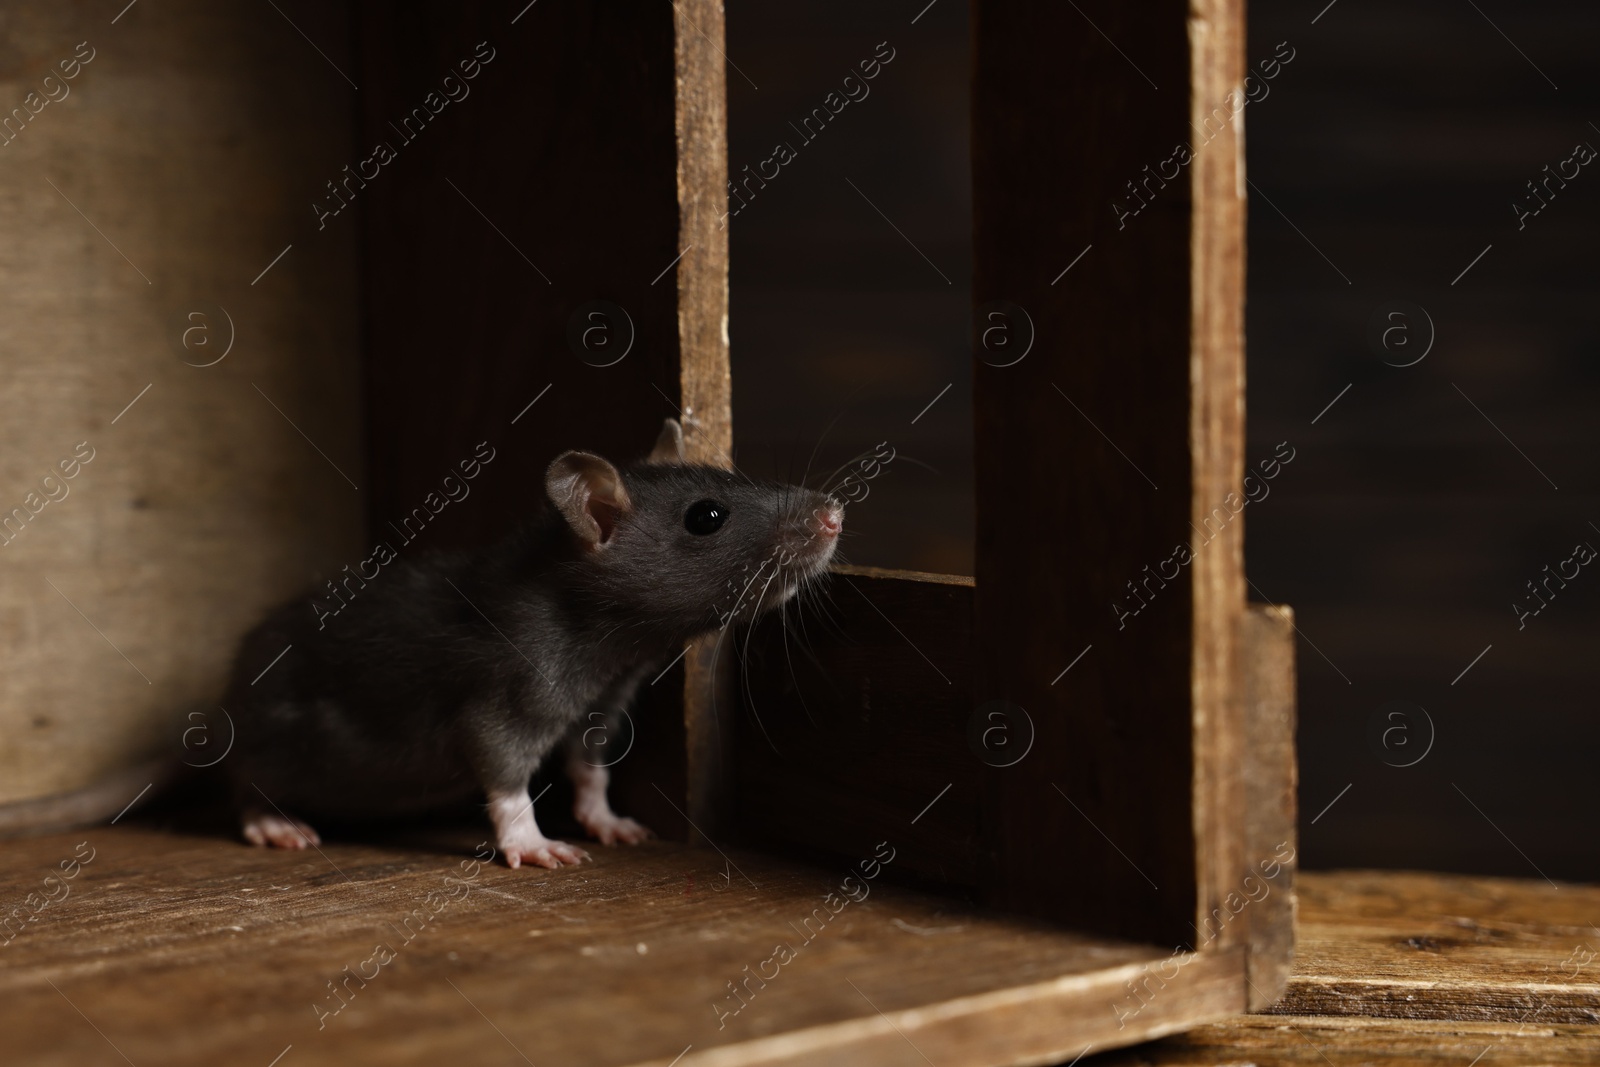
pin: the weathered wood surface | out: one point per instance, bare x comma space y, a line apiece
1425, 946
1216, 458
190, 949
1421, 969
1112, 441
701, 110
705, 387
1266, 654
184, 151
1311, 1041
172, 948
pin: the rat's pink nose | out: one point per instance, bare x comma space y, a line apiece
828, 520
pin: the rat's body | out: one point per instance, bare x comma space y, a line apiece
456, 676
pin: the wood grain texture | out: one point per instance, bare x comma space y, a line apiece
188, 949
1423, 946
705, 386
1105, 447
701, 124
1216, 446
183, 156
182, 949
1311, 1041
1420, 969
1267, 765
855, 725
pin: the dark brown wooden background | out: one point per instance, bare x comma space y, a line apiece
1396, 141
835, 315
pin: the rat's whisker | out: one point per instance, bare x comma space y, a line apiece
806, 646
748, 696
805, 478
930, 468
825, 602
853, 459
783, 619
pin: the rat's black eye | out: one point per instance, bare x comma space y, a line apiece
705, 517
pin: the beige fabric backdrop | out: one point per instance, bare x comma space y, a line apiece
184, 156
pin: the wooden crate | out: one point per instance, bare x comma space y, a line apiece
1130, 873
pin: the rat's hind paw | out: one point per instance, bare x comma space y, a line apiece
609, 828
541, 851
269, 828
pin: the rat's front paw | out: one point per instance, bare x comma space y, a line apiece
610, 828
541, 851
265, 828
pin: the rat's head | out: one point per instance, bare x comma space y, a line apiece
685, 547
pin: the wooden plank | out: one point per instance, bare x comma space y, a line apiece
926, 577
125, 460
856, 725
1047, 1022
1310, 1041
1425, 946
1267, 647
701, 123
1216, 442
1102, 449
632, 959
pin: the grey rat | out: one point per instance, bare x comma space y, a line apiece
456, 675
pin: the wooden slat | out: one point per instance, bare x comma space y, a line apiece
618, 962
701, 109
1421, 969
701, 122
1267, 766
1303, 1041
1040, 1023
1096, 454
1216, 443
1422, 946
854, 719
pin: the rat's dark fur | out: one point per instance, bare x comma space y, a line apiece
454, 675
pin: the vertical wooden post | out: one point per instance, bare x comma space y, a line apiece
1266, 653
1216, 445
704, 383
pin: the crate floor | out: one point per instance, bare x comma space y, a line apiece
176, 948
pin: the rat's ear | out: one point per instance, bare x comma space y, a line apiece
589, 492
669, 446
